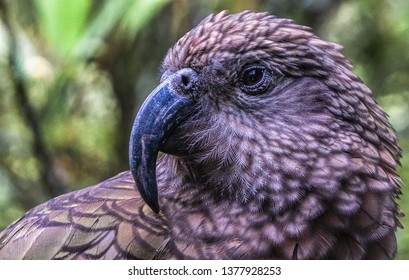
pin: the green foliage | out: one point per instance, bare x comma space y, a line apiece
124, 16
62, 22
62, 123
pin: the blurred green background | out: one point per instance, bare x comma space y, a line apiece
73, 74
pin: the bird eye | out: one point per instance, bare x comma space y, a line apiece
255, 79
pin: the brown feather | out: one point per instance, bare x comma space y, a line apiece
103, 221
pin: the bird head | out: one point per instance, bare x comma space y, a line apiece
261, 110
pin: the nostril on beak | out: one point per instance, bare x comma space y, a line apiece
184, 81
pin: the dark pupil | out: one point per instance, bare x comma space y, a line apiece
252, 77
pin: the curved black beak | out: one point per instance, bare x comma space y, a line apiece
160, 113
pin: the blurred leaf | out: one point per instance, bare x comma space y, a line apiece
129, 15
63, 22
